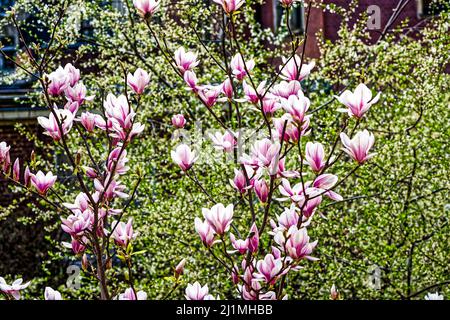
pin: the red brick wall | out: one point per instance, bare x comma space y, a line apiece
329, 23
332, 21
21, 246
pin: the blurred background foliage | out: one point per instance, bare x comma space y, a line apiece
388, 239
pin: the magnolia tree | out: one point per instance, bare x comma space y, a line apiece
94, 221
255, 241
260, 250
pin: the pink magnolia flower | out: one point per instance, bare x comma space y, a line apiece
184, 157
283, 173
210, 94
146, 8
76, 246
59, 80
227, 88
270, 106
248, 277
315, 156
235, 275
240, 182
290, 71
116, 163
72, 73
90, 172
270, 268
205, 232
358, 102
130, 295
185, 60
77, 93
253, 239
266, 153
225, 142
16, 170
76, 223
297, 106
137, 129
5, 159
72, 106
178, 121
261, 190
237, 64
14, 288
119, 111
285, 89
287, 130
276, 252
251, 95
310, 206
240, 245
50, 124
286, 220
191, 80
114, 189
81, 203
27, 177
298, 245
123, 232
138, 81
230, 6
270, 295
325, 181
50, 294
197, 292
120, 134
219, 217
358, 148
252, 288
42, 182
295, 193
89, 120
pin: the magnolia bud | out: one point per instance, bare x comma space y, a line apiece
16, 170
90, 172
84, 262
27, 176
334, 293
253, 240
179, 269
234, 275
262, 190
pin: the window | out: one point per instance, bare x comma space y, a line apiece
297, 17
429, 8
4, 5
8, 38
